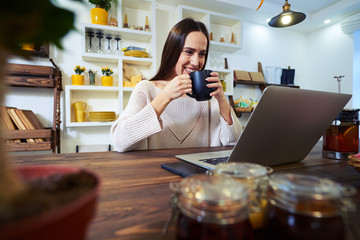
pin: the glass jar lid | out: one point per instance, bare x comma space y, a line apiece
212, 199
218, 190
305, 186
243, 170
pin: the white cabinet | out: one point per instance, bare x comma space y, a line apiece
100, 98
219, 26
115, 98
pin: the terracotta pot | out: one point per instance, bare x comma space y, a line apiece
99, 16
77, 79
68, 221
107, 81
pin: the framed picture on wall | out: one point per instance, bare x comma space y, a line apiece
36, 49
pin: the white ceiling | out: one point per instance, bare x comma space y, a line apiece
316, 10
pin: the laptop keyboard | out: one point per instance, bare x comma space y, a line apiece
215, 160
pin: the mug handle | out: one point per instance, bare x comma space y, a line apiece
85, 105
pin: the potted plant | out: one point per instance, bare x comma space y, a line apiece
99, 14
78, 78
34, 22
107, 79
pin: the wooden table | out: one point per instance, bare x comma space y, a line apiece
135, 190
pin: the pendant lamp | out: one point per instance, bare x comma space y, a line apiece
287, 17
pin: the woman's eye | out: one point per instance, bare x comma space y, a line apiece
202, 54
188, 52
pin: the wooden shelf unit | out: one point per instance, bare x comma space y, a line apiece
261, 85
31, 76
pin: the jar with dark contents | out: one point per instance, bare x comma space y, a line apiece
341, 139
212, 208
305, 207
255, 178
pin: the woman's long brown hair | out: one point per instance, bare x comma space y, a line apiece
174, 46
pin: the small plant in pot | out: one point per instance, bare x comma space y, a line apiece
77, 78
107, 79
23, 189
99, 14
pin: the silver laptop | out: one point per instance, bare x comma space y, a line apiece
283, 128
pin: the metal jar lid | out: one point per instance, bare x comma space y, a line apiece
349, 115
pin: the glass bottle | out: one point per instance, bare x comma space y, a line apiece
255, 178
212, 207
223, 83
305, 207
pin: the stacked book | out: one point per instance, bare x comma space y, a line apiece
19, 119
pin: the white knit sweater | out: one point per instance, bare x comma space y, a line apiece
184, 123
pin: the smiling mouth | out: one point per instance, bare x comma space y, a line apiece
190, 70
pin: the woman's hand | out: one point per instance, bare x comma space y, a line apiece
225, 111
174, 89
214, 82
177, 87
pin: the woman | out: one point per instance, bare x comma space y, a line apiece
160, 114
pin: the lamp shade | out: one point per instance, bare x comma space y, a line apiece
287, 17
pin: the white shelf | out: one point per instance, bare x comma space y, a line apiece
115, 98
91, 88
88, 124
225, 47
97, 98
138, 61
123, 33
137, 4
98, 57
222, 70
128, 89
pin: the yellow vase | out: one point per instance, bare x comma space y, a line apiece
107, 81
77, 79
99, 16
28, 46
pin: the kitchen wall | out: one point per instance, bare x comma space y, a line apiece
316, 57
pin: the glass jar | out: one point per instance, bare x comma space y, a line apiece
341, 139
212, 207
255, 177
305, 207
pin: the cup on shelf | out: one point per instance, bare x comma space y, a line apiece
79, 106
80, 116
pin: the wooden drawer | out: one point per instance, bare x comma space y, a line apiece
22, 75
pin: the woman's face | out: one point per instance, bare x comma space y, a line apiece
192, 57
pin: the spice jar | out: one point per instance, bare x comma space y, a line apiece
212, 207
341, 139
306, 207
255, 177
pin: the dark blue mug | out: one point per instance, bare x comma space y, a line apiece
199, 89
